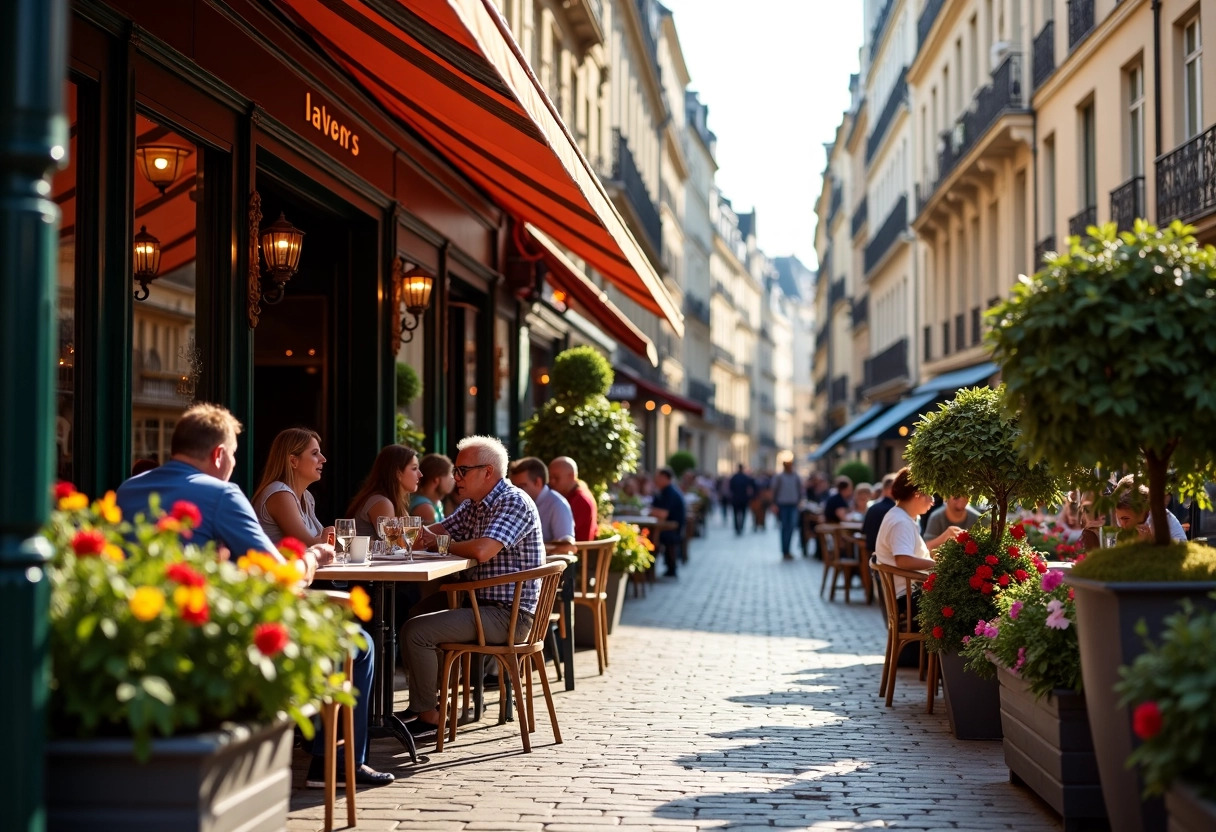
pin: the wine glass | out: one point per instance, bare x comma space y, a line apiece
380, 525
392, 534
411, 527
344, 531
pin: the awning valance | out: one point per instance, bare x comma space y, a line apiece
901, 414
844, 431
651, 389
450, 70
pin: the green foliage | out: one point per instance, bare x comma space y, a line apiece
409, 386
1020, 638
969, 573
579, 374
599, 435
634, 552
1109, 355
969, 446
857, 471
150, 634
680, 462
1141, 562
1178, 676
408, 434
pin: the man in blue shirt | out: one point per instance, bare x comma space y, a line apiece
668, 505
531, 476
742, 489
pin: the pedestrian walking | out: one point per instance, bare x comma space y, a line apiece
742, 489
787, 494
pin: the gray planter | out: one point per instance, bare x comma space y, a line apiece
1049, 750
1188, 811
238, 778
1106, 619
973, 704
584, 635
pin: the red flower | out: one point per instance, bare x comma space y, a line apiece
986, 589
289, 548
1014, 551
971, 547
938, 632
185, 575
1017, 531
983, 571
270, 638
976, 582
1146, 720
1040, 567
1020, 575
1072, 596
185, 510
947, 612
992, 560
963, 537
89, 542
63, 489
198, 616
1003, 580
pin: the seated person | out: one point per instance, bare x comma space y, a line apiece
1131, 511
387, 490
436, 483
669, 505
284, 506
954, 511
531, 476
863, 492
836, 509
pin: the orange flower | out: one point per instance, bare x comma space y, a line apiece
146, 603
108, 508
360, 603
73, 502
192, 604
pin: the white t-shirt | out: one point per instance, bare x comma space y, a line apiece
899, 535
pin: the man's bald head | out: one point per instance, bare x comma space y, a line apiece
563, 475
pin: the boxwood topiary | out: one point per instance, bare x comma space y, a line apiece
1148, 562
857, 471
580, 373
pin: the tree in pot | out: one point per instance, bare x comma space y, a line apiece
968, 446
1109, 355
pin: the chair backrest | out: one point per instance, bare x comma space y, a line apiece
549, 576
594, 562
847, 545
888, 576
826, 533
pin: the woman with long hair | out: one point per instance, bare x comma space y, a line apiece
437, 482
283, 504
387, 489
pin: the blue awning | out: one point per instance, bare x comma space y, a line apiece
901, 413
966, 377
844, 431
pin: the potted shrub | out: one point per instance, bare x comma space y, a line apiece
681, 462
175, 676
633, 553
1172, 690
1109, 355
409, 387
968, 446
1031, 648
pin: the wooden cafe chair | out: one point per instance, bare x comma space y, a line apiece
331, 712
590, 591
902, 628
825, 534
846, 562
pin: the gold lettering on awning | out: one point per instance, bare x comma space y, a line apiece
329, 126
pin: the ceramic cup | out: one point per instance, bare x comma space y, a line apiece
358, 548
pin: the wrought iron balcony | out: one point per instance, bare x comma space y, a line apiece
899, 94
626, 174
721, 355
1003, 94
696, 309
859, 216
1186, 179
701, 391
1127, 203
1041, 248
861, 310
1044, 57
924, 23
835, 293
1079, 222
836, 201
839, 392
894, 225
888, 365
1080, 20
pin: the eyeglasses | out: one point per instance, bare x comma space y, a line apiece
461, 471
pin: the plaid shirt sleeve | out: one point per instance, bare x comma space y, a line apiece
512, 519
457, 524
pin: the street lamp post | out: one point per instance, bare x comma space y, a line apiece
33, 142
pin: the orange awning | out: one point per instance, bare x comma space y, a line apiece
591, 300
450, 70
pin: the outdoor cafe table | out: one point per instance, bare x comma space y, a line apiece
383, 575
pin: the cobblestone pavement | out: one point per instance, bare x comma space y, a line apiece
737, 699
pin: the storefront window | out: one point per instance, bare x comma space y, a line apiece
165, 362
64, 191
502, 380
470, 370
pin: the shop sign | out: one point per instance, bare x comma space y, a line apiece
623, 391
319, 116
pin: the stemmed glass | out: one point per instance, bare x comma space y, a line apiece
411, 527
380, 525
344, 531
392, 533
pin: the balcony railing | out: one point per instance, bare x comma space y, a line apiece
720, 289
1127, 203
1041, 248
1044, 56
861, 310
696, 308
836, 202
625, 172
894, 225
859, 216
839, 392
1004, 93
880, 26
1079, 222
701, 391
1080, 20
835, 293
888, 365
924, 23
821, 337
1186, 179
899, 94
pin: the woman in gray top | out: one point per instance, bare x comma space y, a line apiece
282, 502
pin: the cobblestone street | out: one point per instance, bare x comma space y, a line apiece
736, 699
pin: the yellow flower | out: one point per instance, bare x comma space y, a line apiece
73, 502
146, 603
286, 573
261, 560
108, 508
114, 553
190, 598
360, 603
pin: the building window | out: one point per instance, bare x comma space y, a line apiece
1192, 78
1049, 185
1135, 120
1088, 153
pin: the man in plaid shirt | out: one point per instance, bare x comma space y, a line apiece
498, 526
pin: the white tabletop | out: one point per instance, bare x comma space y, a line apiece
426, 566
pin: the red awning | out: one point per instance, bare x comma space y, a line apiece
590, 299
659, 392
451, 71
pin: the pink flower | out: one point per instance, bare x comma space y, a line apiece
966, 639
1057, 619
991, 631
979, 627
1051, 580
1021, 658
1014, 609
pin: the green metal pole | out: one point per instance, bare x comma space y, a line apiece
33, 141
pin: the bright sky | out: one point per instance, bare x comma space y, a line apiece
775, 74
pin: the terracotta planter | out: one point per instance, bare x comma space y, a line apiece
233, 779
584, 635
1048, 748
1188, 812
1107, 614
973, 704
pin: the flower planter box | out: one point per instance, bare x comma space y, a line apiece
973, 704
584, 635
1107, 614
238, 778
1048, 748
1188, 811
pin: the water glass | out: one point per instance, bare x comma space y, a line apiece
375, 549
442, 541
344, 530
1110, 538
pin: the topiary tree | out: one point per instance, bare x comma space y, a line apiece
409, 386
970, 446
680, 462
1109, 354
856, 470
580, 422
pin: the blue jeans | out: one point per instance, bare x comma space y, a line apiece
788, 514
365, 670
